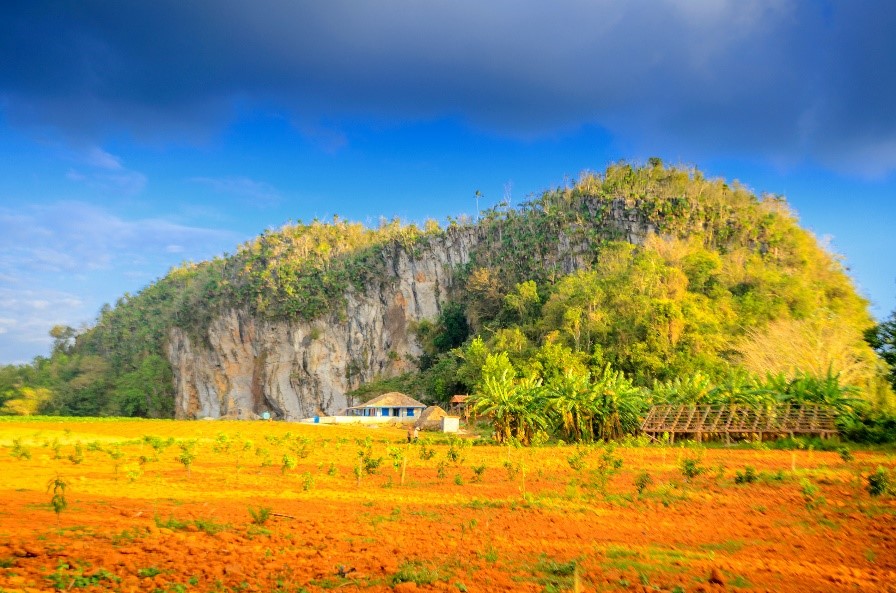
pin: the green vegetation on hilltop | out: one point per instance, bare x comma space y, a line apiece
723, 293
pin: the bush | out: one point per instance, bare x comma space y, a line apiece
19, 451
880, 482
260, 515
845, 454
642, 482
691, 468
748, 476
871, 426
415, 572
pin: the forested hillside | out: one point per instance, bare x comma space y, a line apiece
722, 297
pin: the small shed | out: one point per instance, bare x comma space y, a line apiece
431, 418
392, 405
450, 424
460, 405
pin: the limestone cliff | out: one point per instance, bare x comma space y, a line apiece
246, 365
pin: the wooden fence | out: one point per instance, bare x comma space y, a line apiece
727, 420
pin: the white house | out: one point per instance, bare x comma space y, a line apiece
394, 406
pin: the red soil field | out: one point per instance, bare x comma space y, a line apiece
468, 518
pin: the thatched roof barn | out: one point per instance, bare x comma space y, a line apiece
431, 418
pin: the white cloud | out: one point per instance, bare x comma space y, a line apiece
72, 236
26, 316
97, 157
91, 250
109, 175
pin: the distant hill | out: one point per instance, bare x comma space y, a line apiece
657, 271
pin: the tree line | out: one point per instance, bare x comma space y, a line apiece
726, 289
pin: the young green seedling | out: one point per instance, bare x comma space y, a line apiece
58, 502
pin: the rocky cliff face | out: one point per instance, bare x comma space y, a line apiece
298, 369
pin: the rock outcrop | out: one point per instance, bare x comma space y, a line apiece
246, 365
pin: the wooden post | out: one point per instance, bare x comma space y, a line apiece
404, 464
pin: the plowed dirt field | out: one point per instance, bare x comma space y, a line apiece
144, 513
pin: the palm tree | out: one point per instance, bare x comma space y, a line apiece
694, 390
617, 405
515, 407
570, 398
810, 389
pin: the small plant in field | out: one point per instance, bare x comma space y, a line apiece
19, 451
512, 469
78, 455
265, 456
691, 467
66, 577
289, 462
490, 554
133, 473
880, 483
559, 576
56, 446
441, 469
467, 527
148, 572
241, 450
331, 471
371, 464
367, 463
426, 452
94, 446
58, 502
642, 481
396, 454
458, 480
115, 453
302, 447
810, 494
607, 465
748, 476
187, 454
158, 444
845, 454
222, 443
170, 523
720, 471
260, 515
455, 451
577, 460
210, 526
307, 481
478, 471
416, 572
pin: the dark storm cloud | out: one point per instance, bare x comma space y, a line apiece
778, 79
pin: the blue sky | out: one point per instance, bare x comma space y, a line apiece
134, 136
